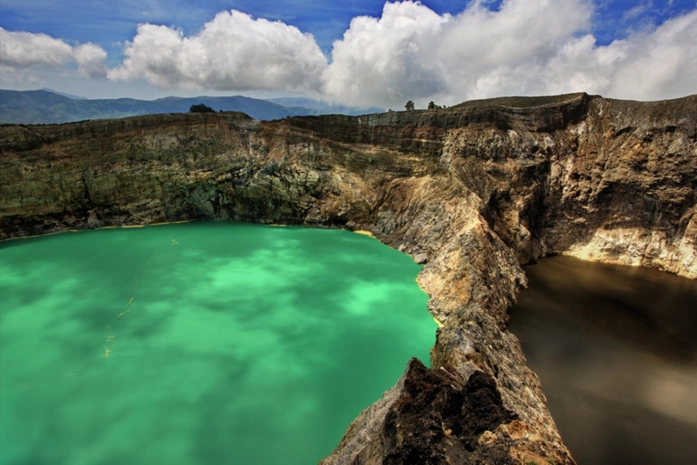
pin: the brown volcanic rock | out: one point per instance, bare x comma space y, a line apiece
472, 191
438, 420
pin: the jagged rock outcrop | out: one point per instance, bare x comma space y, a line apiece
434, 419
471, 191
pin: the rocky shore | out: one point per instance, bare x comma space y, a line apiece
472, 192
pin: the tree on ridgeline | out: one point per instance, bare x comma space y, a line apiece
200, 108
409, 106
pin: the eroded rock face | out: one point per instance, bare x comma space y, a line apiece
437, 420
471, 191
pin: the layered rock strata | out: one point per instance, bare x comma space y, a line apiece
471, 191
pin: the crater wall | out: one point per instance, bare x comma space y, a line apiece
471, 191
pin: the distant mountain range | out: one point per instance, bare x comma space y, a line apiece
46, 106
70, 96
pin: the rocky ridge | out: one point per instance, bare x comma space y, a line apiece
471, 191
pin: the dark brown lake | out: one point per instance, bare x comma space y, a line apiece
616, 350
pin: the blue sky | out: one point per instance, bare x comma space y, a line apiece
448, 51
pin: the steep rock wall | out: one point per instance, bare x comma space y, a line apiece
472, 192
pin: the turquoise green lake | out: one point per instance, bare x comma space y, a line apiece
199, 343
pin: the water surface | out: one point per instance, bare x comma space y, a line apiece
199, 343
616, 350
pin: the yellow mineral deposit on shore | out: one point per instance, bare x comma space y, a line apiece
163, 223
365, 233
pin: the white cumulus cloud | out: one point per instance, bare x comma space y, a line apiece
413, 53
662, 64
25, 50
90, 60
389, 59
232, 52
646, 66
526, 47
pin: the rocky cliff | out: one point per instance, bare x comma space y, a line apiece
471, 191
